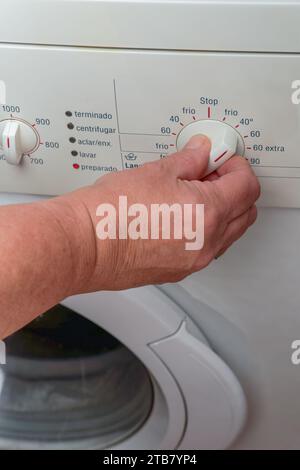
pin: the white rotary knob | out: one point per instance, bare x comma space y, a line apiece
17, 138
225, 141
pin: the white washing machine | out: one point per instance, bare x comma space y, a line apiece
90, 87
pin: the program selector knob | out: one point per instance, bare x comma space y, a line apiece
225, 141
17, 138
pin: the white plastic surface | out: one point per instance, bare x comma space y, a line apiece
225, 141
98, 111
198, 25
215, 401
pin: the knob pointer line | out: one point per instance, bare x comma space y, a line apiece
225, 139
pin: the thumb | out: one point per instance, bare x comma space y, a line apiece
191, 162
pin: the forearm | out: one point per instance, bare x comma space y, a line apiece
44, 258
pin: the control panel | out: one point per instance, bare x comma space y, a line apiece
70, 115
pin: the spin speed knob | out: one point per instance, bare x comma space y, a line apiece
17, 138
225, 141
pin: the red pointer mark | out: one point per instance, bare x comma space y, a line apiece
219, 158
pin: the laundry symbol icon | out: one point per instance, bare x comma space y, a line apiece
131, 156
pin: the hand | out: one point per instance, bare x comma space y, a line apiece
228, 196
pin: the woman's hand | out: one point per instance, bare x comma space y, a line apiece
228, 196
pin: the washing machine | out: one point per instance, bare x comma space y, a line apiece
92, 87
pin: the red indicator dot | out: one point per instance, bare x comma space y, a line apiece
76, 166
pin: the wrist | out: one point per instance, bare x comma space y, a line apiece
73, 220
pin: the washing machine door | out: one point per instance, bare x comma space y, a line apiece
198, 402
118, 370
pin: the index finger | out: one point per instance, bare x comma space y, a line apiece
238, 186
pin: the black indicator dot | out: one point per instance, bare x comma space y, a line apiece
72, 140
69, 113
70, 126
74, 153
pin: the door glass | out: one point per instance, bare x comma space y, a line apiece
68, 383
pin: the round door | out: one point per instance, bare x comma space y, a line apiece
198, 403
124, 370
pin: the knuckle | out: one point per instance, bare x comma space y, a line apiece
256, 187
212, 218
251, 187
219, 207
203, 260
213, 200
252, 216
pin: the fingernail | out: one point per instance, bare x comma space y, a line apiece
196, 142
